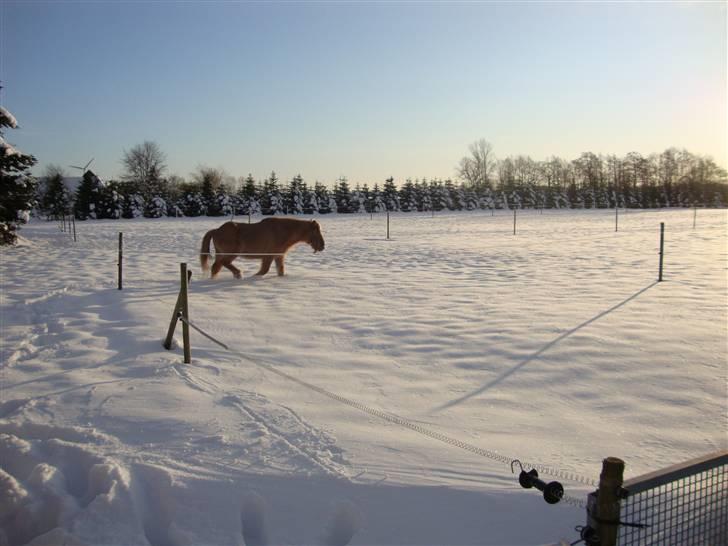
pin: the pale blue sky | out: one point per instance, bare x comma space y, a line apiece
366, 90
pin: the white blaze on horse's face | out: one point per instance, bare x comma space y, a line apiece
316, 240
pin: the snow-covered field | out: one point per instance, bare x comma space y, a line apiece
555, 346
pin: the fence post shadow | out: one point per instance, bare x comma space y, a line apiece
505, 375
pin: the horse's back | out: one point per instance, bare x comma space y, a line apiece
270, 235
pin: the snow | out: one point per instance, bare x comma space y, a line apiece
8, 120
7, 148
555, 346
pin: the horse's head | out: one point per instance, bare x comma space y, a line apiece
315, 239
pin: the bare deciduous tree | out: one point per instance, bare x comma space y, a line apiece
476, 170
144, 163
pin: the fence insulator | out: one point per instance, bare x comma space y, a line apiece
553, 492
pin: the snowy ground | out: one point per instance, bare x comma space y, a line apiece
554, 346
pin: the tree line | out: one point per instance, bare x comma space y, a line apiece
674, 178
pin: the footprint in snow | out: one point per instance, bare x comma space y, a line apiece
343, 523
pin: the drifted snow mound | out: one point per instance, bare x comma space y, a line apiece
53, 491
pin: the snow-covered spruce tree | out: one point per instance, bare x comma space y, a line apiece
407, 198
17, 186
342, 195
88, 197
323, 198
359, 199
310, 201
271, 199
294, 195
390, 195
377, 200
155, 207
112, 202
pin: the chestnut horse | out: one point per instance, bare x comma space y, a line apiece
267, 241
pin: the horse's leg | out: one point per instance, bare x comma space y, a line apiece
216, 267
264, 265
279, 266
229, 264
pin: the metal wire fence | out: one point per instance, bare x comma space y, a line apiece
684, 504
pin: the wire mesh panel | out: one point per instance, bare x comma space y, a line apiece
684, 504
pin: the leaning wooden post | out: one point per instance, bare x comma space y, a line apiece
73, 222
184, 311
662, 248
607, 514
181, 310
121, 255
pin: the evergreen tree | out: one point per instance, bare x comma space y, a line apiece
192, 203
294, 195
454, 196
359, 199
310, 201
390, 195
342, 196
17, 187
112, 202
156, 207
439, 195
271, 199
89, 198
407, 198
56, 200
377, 200
323, 197
423, 196
247, 197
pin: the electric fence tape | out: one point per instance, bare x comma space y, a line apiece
401, 421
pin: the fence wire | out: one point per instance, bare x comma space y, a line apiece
270, 366
681, 505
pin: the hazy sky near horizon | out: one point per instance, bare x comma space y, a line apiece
366, 90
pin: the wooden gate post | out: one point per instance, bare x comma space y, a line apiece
606, 520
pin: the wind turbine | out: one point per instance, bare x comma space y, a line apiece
84, 168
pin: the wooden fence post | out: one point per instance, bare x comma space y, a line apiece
73, 221
387, 225
695, 215
607, 501
616, 218
662, 248
121, 252
184, 310
514, 221
181, 310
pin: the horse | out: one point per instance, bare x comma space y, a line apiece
267, 241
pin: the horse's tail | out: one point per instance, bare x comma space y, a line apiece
205, 250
